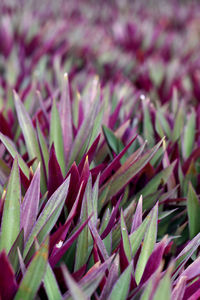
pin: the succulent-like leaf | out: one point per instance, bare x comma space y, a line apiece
111, 279
18, 244
56, 137
83, 136
148, 130
35, 272
98, 241
93, 277
154, 183
65, 116
44, 148
82, 244
48, 216
119, 293
164, 287
189, 135
114, 143
11, 149
55, 178
62, 250
8, 286
154, 260
185, 254
193, 209
30, 204
75, 290
178, 125
137, 218
112, 166
125, 238
179, 289
29, 135
51, 285
148, 245
10, 226
126, 173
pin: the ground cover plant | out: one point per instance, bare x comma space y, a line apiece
99, 150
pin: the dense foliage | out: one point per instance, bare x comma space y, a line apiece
100, 150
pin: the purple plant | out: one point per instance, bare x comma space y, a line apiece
99, 152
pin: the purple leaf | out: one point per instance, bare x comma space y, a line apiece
74, 288
73, 186
55, 174
90, 154
111, 279
193, 270
192, 158
115, 115
65, 116
18, 245
30, 204
111, 222
93, 273
185, 254
195, 296
21, 262
115, 162
5, 127
8, 286
97, 239
60, 234
137, 219
191, 290
154, 260
62, 250
178, 291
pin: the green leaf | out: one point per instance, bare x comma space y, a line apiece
108, 239
148, 131
153, 184
147, 291
97, 125
75, 291
162, 125
66, 116
116, 231
13, 152
35, 273
90, 282
82, 244
186, 253
127, 171
18, 244
137, 236
189, 135
179, 123
113, 142
95, 198
27, 129
75, 109
125, 238
56, 136
44, 148
82, 139
10, 226
48, 216
29, 136
148, 245
51, 285
163, 290
193, 210
121, 287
